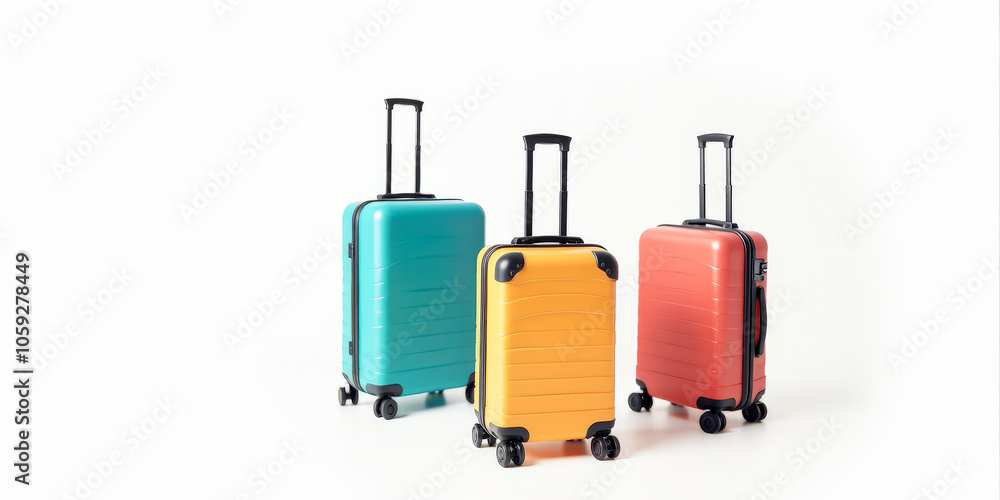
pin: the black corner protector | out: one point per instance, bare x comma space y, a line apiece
509, 433
472, 378
508, 265
607, 263
384, 390
716, 404
600, 428
757, 399
642, 385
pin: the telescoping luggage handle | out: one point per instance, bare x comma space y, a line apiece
418, 107
727, 141
530, 141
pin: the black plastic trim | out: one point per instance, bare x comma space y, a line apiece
600, 428
642, 386
607, 263
384, 390
508, 266
392, 196
704, 403
509, 433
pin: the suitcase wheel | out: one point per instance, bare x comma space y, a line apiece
605, 447
479, 434
385, 407
638, 401
712, 422
469, 392
755, 413
348, 394
510, 452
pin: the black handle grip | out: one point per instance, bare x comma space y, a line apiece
397, 196
725, 139
530, 141
531, 240
762, 300
712, 222
418, 106
389, 103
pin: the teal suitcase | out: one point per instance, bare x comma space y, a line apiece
409, 291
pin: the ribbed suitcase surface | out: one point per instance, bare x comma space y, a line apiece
409, 302
550, 341
702, 313
545, 336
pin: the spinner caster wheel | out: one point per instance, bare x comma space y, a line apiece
755, 413
342, 397
505, 453
479, 434
353, 395
605, 447
635, 401
387, 408
712, 422
647, 401
469, 392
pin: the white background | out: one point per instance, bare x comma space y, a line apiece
843, 305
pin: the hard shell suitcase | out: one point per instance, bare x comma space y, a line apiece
702, 313
545, 344
409, 305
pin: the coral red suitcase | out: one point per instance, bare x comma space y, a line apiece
702, 313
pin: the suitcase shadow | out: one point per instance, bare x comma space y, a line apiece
555, 449
647, 430
418, 403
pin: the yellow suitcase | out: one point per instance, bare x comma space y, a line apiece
545, 337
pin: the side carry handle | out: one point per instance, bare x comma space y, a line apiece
762, 300
418, 106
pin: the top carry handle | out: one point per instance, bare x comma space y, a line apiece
418, 106
727, 141
530, 141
